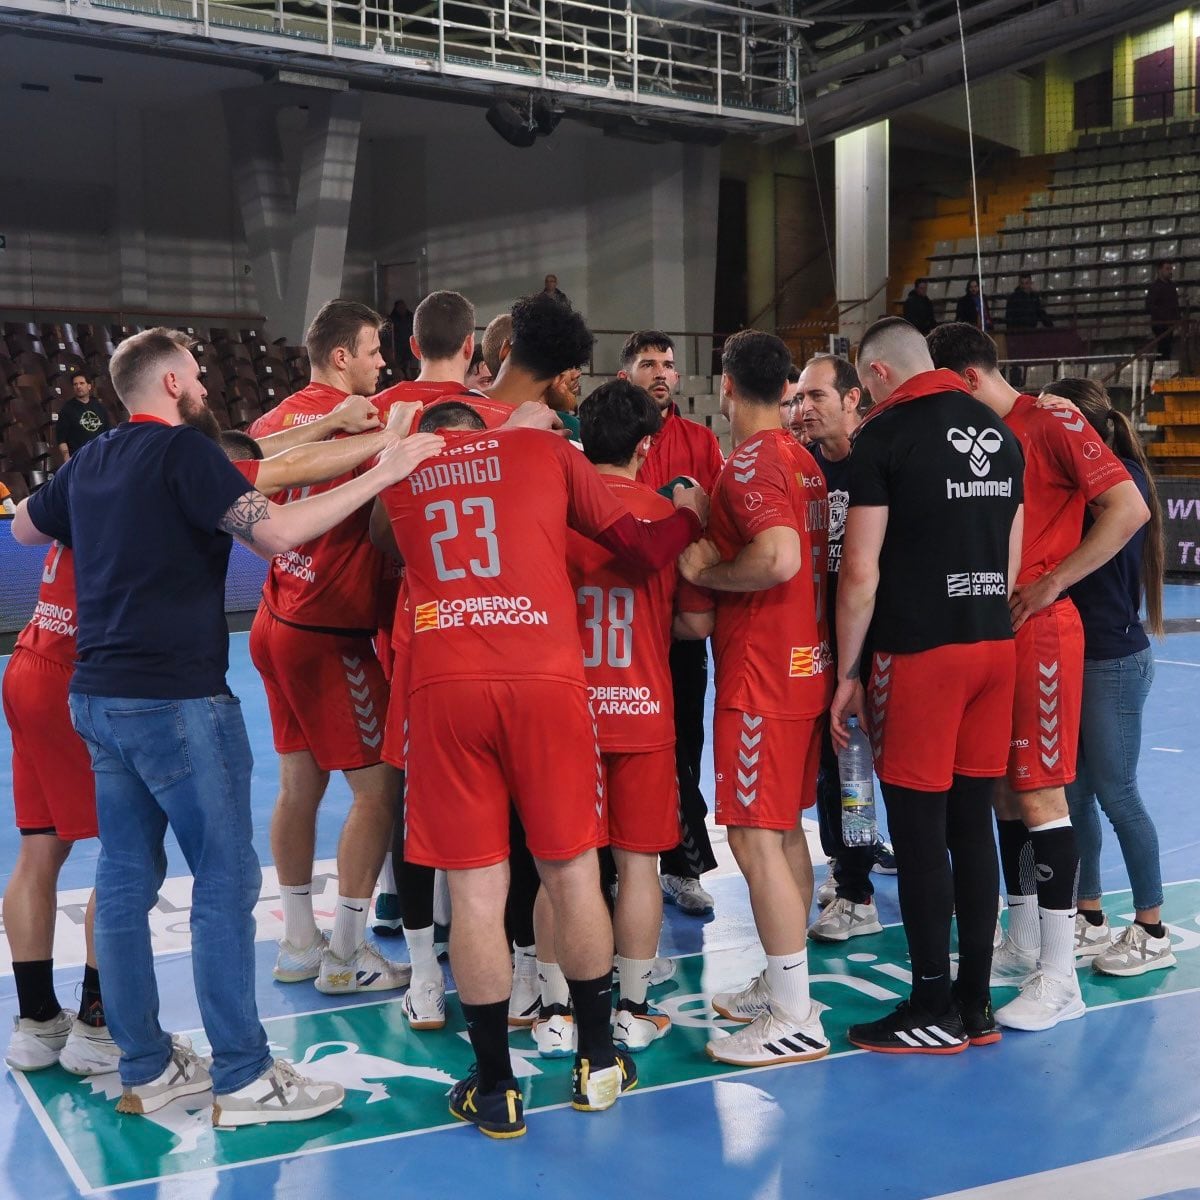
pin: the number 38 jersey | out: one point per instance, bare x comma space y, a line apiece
625, 627
482, 529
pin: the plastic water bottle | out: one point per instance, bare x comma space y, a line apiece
855, 767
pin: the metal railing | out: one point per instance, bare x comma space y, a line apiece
1135, 372
734, 61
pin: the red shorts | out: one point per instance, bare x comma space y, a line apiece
325, 692
1045, 712
395, 730
53, 786
940, 713
766, 768
641, 800
473, 744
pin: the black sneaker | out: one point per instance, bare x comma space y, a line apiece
499, 1113
596, 1090
979, 1021
910, 1031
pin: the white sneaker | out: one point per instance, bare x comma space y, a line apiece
1011, 966
773, 1037
751, 1002
636, 1026
366, 970
295, 964
843, 919
186, 1074
425, 1004
526, 997
827, 892
1134, 953
35, 1045
1045, 1000
1090, 939
997, 936
686, 894
554, 1032
279, 1094
90, 1050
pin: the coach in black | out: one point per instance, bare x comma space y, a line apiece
81, 418
148, 510
931, 550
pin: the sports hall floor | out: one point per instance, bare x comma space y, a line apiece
1105, 1108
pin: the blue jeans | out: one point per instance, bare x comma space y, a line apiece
185, 763
1110, 741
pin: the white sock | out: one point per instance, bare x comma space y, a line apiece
1058, 942
299, 927
1023, 928
421, 954
553, 984
787, 981
635, 977
387, 877
349, 926
526, 955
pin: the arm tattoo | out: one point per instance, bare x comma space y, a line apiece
246, 512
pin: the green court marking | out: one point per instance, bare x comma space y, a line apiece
396, 1080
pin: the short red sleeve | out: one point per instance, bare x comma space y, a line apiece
1081, 455
249, 469
591, 507
759, 497
692, 599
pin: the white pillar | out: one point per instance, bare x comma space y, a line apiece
862, 227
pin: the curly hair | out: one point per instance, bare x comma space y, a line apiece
548, 336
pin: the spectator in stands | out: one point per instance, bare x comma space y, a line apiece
918, 308
973, 307
479, 374
1162, 303
1024, 309
551, 289
83, 417
401, 318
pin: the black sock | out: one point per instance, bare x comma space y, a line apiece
1157, 930
917, 823
976, 881
523, 884
416, 895
592, 1001
1057, 862
91, 1004
487, 1025
35, 989
1093, 916
1016, 858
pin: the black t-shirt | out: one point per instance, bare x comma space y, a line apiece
950, 474
837, 480
79, 423
140, 508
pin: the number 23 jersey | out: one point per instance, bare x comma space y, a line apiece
482, 529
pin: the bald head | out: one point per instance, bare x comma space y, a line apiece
891, 352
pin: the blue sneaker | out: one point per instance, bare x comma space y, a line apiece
387, 921
499, 1113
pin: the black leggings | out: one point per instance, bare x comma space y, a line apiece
934, 885
414, 882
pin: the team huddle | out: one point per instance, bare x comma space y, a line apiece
481, 607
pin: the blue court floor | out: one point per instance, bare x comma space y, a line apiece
1104, 1108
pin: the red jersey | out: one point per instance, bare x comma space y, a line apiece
53, 627
482, 529
682, 447
625, 626
772, 647
333, 581
1066, 466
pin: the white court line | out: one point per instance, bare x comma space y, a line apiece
1166, 749
1176, 662
1133, 1175
70, 1165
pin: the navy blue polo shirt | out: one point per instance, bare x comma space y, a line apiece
139, 506
1109, 598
